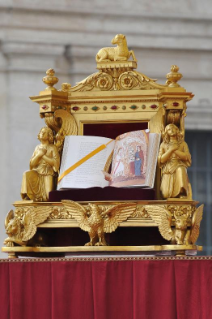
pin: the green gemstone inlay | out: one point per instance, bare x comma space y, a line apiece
95, 108
133, 107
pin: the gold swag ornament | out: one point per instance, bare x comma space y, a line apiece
97, 221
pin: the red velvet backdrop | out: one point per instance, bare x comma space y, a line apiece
164, 288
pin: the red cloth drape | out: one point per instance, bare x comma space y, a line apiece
148, 288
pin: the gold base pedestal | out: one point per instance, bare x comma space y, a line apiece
176, 250
58, 233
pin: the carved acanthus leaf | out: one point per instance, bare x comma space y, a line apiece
140, 212
59, 213
87, 84
146, 83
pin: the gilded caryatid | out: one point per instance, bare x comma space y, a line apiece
44, 165
174, 158
119, 53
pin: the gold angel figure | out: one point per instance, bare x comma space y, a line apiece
21, 226
97, 221
174, 158
44, 165
182, 234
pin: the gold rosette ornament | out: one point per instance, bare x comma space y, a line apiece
127, 81
104, 82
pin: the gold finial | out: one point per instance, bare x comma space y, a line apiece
50, 79
173, 77
65, 87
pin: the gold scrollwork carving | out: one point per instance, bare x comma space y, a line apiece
144, 82
116, 78
87, 84
100, 81
135, 80
179, 210
140, 212
59, 213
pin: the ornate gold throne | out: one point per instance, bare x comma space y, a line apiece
114, 100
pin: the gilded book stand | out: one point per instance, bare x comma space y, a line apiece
114, 100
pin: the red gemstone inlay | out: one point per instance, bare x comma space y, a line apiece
44, 107
153, 106
75, 108
175, 104
114, 107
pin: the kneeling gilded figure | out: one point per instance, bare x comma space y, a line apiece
174, 158
44, 165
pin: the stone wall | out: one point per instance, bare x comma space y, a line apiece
66, 35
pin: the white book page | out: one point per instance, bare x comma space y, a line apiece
88, 174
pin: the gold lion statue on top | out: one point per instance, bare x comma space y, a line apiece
119, 53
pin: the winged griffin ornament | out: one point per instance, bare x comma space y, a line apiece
181, 234
21, 225
97, 221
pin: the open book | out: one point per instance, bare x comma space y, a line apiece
133, 154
